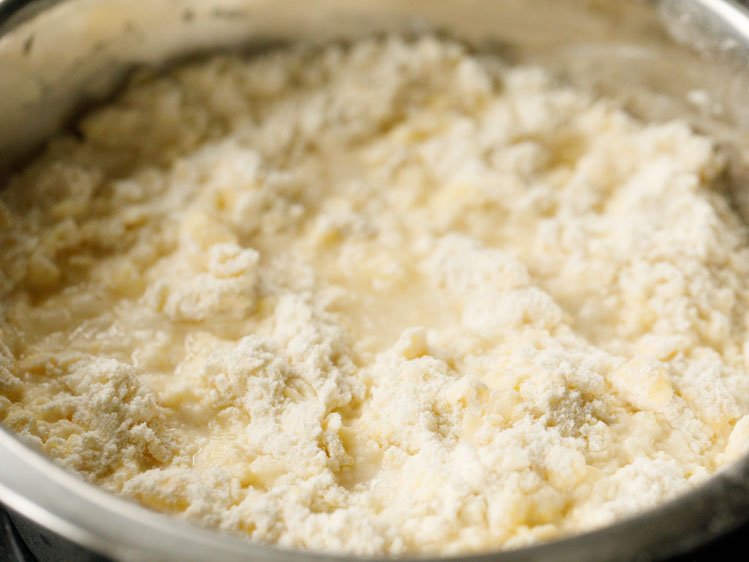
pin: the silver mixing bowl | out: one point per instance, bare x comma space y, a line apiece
662, 58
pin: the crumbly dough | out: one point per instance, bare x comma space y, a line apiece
391, 297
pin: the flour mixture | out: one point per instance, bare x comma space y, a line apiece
384, 298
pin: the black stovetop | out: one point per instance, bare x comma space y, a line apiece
733, 547
12, 548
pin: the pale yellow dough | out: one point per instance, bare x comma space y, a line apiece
388, 298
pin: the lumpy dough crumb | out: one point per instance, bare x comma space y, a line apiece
385, 298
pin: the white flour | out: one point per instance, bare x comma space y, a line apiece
388, 298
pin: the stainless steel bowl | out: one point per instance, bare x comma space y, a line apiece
660, 57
